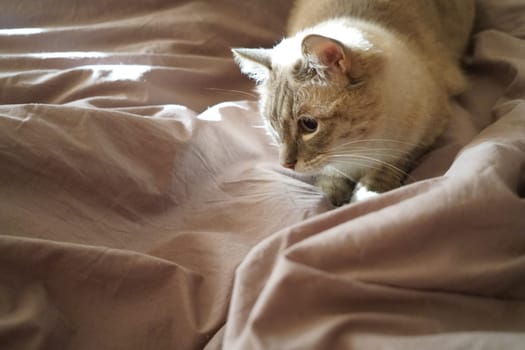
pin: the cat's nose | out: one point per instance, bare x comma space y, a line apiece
289, 165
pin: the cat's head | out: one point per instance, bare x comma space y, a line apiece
316, 97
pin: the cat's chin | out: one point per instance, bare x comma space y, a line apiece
308, 169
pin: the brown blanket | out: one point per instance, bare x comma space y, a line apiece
142, 208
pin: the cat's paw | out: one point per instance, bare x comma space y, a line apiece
382, 180
338, 190
361, 193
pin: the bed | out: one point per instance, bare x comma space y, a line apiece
142, 205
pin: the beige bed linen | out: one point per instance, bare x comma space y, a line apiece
142, 206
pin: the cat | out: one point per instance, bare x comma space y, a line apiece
360, 89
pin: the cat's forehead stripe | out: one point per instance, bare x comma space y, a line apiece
281, 107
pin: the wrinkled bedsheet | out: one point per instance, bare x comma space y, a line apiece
142, 205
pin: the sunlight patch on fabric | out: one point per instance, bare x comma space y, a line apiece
215, 114
210, 115
69, 54
119, 72
21, 31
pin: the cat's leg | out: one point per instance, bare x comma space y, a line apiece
382, 180
387, 177
392, 175
338, 189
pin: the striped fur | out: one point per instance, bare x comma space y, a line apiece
374, 77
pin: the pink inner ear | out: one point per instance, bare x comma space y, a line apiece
327, 51
330, 54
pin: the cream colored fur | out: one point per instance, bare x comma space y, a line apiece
375, 76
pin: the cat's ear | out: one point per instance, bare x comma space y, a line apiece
326, 55
255, 63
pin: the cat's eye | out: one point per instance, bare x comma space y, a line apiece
308, 124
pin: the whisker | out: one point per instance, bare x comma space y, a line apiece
371, 149
359, 162
383, 163
380, 162
344, 175
393, 141
232, 92
367, 149
387, 153
306, 194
